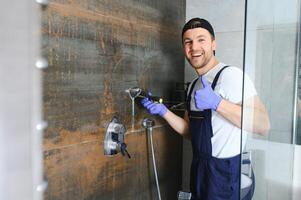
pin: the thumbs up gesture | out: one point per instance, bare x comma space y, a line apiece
206, 98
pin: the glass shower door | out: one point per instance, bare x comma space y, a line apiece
271, 61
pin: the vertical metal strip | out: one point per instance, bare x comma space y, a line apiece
295, 109
243, 84
38, 127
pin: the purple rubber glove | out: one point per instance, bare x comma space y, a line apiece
206, 98
153, 107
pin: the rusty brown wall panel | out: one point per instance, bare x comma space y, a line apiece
96, 50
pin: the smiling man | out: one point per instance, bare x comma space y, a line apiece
213, 117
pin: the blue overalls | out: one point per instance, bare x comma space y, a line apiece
211, 178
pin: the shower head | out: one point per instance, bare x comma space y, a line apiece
134, 92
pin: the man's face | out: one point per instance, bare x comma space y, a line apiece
198, 47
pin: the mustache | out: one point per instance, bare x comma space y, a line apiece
196, 52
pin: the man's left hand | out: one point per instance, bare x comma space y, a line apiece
206, 98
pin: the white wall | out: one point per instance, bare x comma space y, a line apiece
270, 61
20, 102
297, 174
273, 167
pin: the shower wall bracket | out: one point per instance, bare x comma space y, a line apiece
114, 139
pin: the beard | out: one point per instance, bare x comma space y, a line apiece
200, 62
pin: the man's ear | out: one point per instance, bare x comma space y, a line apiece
214, 45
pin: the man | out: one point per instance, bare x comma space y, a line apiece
213, 117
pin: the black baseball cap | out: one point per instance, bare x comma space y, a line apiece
198, 23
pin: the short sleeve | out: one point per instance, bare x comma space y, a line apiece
231, 85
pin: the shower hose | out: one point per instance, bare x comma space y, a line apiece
150, 130
148, 125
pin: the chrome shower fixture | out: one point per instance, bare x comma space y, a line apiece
114, 139
148, 124
133, 92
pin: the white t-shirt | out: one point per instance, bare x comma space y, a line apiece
226, 136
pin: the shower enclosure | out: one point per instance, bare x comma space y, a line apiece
271, 59
54, 114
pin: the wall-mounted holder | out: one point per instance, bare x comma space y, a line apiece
114, 139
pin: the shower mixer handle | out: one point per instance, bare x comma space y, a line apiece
114, 139
124, 150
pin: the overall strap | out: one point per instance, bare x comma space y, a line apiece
194, 82
217, 76
189, 94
